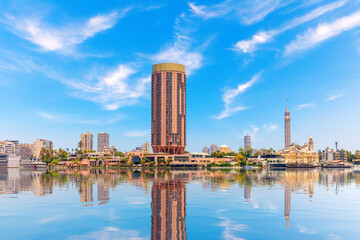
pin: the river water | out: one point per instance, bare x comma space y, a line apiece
181, 204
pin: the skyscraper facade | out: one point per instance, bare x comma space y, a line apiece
38, 145
168, 108
145, 148
205, 150
287, 127
213, 148
102, 141
86, 141
247, 143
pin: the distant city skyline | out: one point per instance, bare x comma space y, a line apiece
87, 70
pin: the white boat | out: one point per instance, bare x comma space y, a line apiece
28, 164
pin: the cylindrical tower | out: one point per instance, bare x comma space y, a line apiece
287, 127
168, 108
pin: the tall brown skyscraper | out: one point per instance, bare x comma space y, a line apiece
168, 108
287, 126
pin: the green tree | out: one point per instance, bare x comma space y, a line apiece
119, 154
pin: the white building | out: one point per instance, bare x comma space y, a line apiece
102, 141
10, 147
247, 143
38, 145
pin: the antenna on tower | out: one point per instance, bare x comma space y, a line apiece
287, 104
336, 146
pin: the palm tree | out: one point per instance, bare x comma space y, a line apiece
80, 145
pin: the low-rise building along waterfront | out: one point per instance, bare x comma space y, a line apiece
224, 149
294, 153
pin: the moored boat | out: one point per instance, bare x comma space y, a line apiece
28, 164
300, 165
337, 165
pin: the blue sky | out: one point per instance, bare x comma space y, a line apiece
70, 67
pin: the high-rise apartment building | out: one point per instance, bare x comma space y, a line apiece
287, 127
145, 147
86, 141
213, 148
168, 108
38, 145
205, 150
26, 150
102, 141
247, 143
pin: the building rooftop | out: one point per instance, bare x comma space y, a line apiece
168, 67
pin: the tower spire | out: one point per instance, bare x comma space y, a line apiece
287, 126
287, 105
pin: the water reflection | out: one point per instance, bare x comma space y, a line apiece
168, 189
168, 208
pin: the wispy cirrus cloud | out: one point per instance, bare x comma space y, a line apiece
72, 119
334, 97
62, 39
268, 127
137, 133
112, 89
262, 37
248, 11
305, 106
314, 36
182, 49
251, 131
180, 52
210, 12
231, 94
110, 232
231, 228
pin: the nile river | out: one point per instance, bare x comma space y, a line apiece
156, 204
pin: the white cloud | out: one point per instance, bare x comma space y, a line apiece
332, 98
231, 94
60, 38
110, 233
305, 106
266, 36
270, 127
248, 11
230, 228
303, 229
113, 90
322, 32
71, 119
209, 12
253, 11
180, 52
137, 133
252, 131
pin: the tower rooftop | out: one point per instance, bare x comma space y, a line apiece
168, 67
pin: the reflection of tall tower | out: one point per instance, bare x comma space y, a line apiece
287, 207
287, 126
247, 192
168, 210
168, 108
86, 191
103, 191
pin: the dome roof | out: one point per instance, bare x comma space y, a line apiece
224, 146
